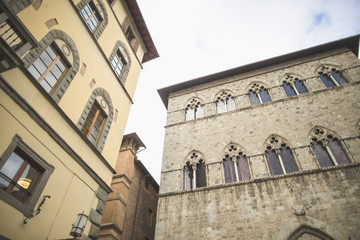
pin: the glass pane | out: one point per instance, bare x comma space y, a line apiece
220, 106
327, 81
10, 168
265, 97
61, 65
92, 139
300, 87
40, 66
338, 152
34, 72
51, 52
45, 57
288, 160
200, 175
273, 162
229, 170
289, 90
243, 168
253, 98
45, 85
322, 155
338, 78
19, 193
28, 177
56, 72
188, 177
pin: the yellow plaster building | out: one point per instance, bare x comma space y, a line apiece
68, 72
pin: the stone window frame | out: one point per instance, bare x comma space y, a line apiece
120, 46
327, 70
290, 79
192, 160
70, 45
234, 152
321, 135
27, 208
225, 96
105, 129
194, 109
306, 229
18, 5
276, 144
256, 88
100, 7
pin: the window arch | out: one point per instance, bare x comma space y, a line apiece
96, 119
331, 76
194, 171
193, 109
293, 85
258, 93
94, 14
19, 5
235, 164
327, 147
279, 156
309, 233
225, 102
120, 61
54, 63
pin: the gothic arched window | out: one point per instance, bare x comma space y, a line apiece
258, 93
279, 157
194, 171
331, 76
293, 86
327, 148
225, 102
235, 164
193, 110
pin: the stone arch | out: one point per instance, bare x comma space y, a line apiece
194, 171
326, 68
321, 134
119, 45
233, 150
308, 230
256, 86
103, 12
275, 141
105, 130
194, 157
19, 5
225, 101
258, 93
235, 163
289, 77
69, 43
224, 94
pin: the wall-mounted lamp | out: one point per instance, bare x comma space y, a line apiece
79, 225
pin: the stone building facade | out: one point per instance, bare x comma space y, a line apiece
269, 150
130, 211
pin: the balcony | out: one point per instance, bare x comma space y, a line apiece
15, 39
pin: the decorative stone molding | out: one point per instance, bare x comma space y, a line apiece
120, 46
299, 210
18, 5
233, 151
256, 87
321, 134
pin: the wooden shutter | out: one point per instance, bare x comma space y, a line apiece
200, 175
126, 23
135, 45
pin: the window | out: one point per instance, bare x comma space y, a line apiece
279, 156
118, 64
129, 34
23, 175
96, 119
293, 86
194, 171
235, 163
331, 77
193, 110
94, 123
49, 68
258, 94
327, 148
91, 16
94, 15
225, 102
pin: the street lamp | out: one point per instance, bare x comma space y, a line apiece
79, 225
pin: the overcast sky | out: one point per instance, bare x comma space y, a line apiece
199, 37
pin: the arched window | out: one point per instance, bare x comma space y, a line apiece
96, 118
279, 156
327, 148
194, 171
54, 64
235, 164
120, 61
193, 109
258, 93
225, 102
331, 76
94, 14
293, 86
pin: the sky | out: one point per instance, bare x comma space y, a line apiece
195, 38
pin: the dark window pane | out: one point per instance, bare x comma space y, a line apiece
322, 155
28, 177
338, 78
188, 177
229, 170
243, 168
288, 160
327, 81
200, 175
273, 162
253, 98
300, 87
289, 90
338, 152
265, 97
